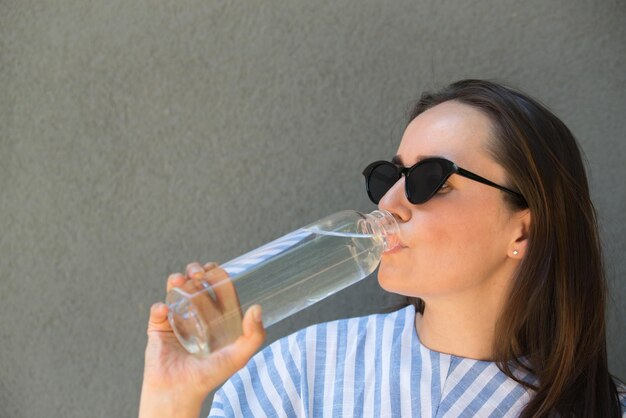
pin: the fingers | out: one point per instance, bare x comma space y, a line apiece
192, 270
196, 271
224, 290
204, 304
210, 265
158, 318
175, 280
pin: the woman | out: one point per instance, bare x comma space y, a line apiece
500, 259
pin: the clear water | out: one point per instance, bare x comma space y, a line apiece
284, 277
321, 264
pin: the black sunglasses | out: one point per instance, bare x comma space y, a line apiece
422, 180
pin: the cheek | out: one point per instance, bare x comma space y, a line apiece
449, 249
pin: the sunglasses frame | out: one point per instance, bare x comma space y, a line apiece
449, 167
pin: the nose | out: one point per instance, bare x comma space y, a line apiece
395, 201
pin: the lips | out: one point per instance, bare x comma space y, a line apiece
394, 242
395, 248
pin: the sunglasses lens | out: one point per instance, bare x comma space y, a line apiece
424, 180
381, 179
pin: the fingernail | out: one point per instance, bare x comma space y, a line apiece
256, 313
196, 273
209, 266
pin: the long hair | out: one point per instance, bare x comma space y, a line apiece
554, 318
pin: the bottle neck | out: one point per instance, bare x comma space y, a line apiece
383, 224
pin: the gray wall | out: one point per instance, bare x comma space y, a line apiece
136, 137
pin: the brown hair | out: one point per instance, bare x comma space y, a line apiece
555, 315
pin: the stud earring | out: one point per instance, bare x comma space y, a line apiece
515, 252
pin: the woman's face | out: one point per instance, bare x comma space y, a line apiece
458, 240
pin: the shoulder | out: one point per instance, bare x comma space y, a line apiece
286, 372
347, 339
358, 328
311, 345
323, 340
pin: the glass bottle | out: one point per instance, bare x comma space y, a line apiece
283, 276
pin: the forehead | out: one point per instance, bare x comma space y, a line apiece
453, 130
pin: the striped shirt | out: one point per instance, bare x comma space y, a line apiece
373, 366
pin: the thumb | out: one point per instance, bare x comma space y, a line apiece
228, 360
253, 330
250, 341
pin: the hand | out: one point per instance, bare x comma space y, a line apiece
215, 302
188, 378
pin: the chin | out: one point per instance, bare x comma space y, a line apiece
394, 279
390, 280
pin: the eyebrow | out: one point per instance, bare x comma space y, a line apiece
397, 160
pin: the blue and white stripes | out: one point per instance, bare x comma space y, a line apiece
372, 366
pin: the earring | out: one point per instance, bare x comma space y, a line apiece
515, 252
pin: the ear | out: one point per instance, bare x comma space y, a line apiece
519, 238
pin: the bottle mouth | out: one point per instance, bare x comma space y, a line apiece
384, 224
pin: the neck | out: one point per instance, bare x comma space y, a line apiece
462, 325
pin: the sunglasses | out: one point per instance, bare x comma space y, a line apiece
423, 179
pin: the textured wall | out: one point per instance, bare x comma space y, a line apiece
138, 136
